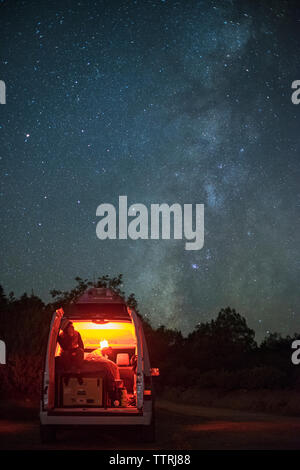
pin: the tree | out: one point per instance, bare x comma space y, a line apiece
232, 327
222, 343
3, 299
63, 298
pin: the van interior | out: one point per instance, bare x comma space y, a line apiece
95, 382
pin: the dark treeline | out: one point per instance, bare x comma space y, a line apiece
220, 354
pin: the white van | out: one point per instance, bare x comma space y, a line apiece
84, 398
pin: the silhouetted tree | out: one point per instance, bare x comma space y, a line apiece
221, 353
221, 343
63, 298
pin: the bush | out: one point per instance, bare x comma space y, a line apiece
223, 379
263, 377
182, 376
21, 376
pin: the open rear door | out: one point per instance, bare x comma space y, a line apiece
49, 375
140, 359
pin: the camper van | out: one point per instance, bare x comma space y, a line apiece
110, 382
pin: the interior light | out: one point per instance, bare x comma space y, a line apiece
103, 344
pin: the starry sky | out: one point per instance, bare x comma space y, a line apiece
162, 101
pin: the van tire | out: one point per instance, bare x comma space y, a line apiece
48, 434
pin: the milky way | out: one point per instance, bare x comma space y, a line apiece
162, 101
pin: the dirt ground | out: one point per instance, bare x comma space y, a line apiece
178, 427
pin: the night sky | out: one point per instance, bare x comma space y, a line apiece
162, 101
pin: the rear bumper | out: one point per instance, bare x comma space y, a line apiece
67, 417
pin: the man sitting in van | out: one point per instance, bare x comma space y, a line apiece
72, 347
101, 356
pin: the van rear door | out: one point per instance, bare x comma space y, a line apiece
140, 359
49, 374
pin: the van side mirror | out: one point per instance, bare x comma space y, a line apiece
155, 372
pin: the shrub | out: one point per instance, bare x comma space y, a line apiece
22, 376
263, 377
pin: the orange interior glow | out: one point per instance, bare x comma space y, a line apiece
114, 334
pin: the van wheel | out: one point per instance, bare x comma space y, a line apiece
48, 434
